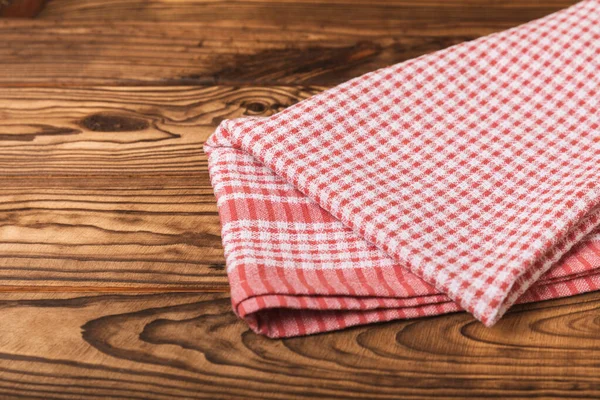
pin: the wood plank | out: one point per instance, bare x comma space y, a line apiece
337, 12
108, 187
251, 42
190, 345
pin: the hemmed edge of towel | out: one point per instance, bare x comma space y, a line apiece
278, 322
523, 276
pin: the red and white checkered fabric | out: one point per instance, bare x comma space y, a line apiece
464, 179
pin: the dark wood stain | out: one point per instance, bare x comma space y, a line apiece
113, 123
21, 8
39, 130
217, 267
273, 65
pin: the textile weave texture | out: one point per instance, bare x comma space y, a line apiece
466, 179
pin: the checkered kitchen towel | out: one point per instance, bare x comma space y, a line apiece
467, 179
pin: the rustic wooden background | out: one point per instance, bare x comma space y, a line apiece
112, 280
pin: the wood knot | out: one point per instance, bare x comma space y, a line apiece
256, 107
114, 123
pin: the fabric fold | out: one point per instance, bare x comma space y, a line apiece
466, 179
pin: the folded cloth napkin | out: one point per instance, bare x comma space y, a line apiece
466, 179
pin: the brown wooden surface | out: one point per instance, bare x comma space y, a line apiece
189, 345
245, 42
112, 278
108, 186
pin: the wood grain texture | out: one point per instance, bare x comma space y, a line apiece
112, 281
108, 187
189, 345
330, 12
250, 42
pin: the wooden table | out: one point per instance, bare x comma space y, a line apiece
112, 279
